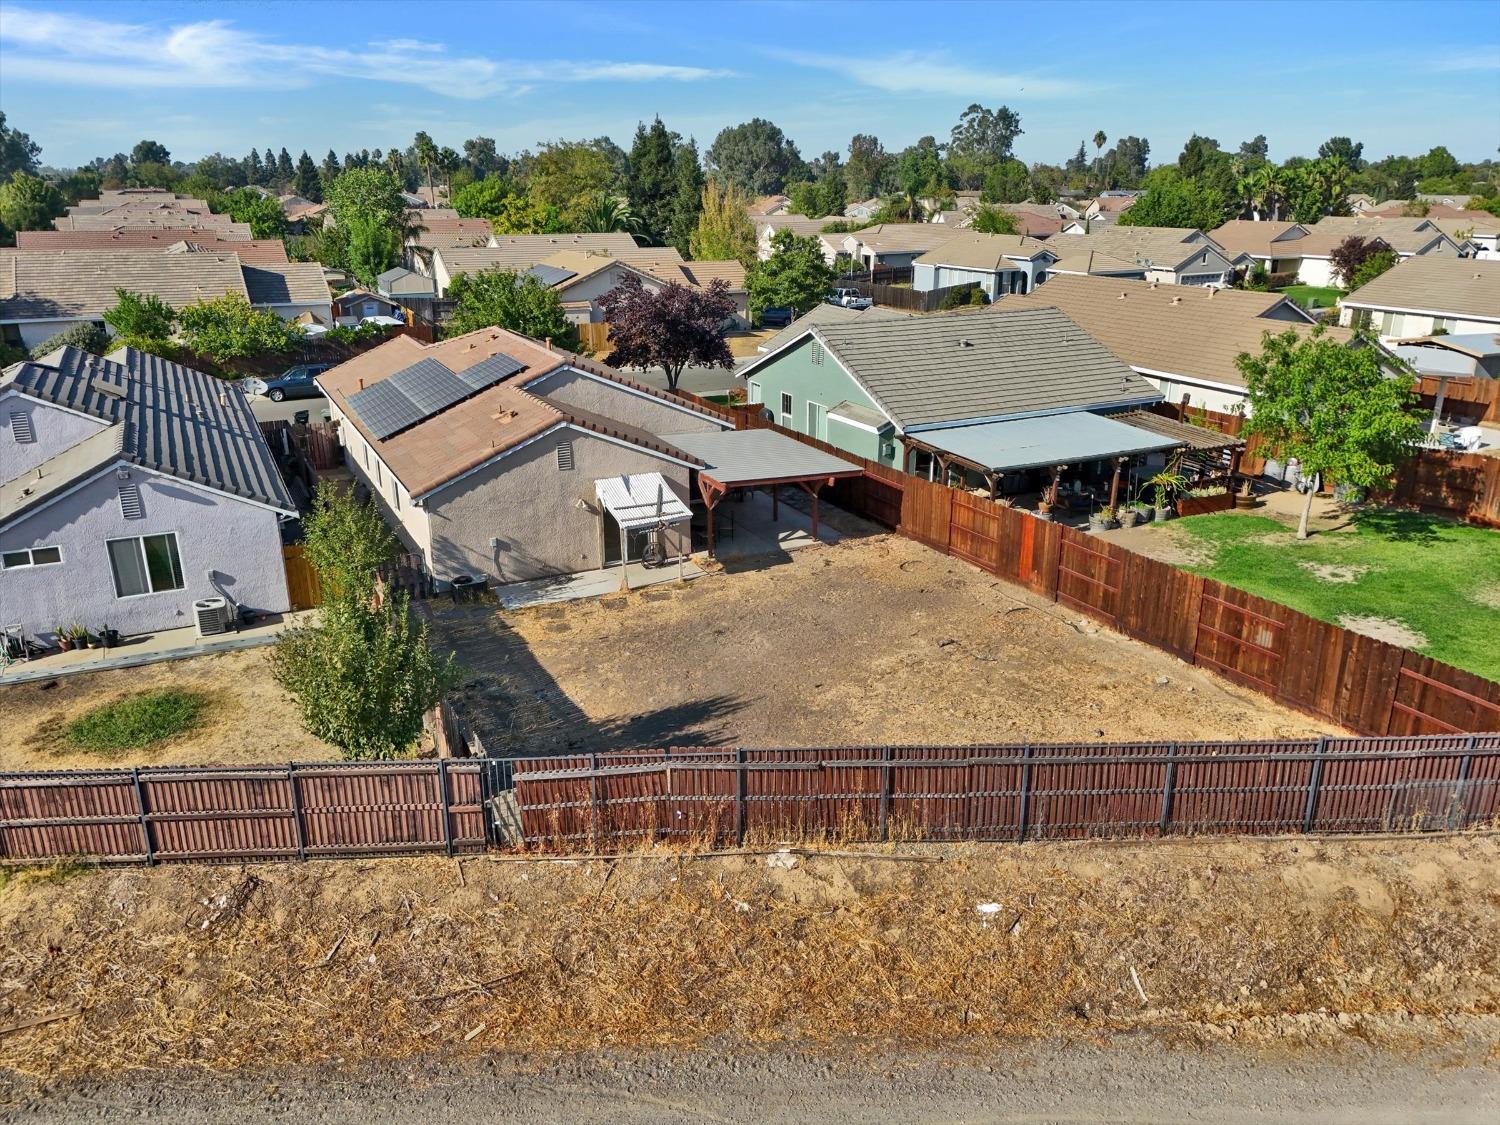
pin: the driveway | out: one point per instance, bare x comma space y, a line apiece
267, 411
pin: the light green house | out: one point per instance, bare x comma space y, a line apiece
899, 389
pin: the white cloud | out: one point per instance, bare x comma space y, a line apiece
49, 47
912, 72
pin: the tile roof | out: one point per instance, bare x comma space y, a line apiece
162, 416
227, 227
897, 238
116, 239
1405, 236
825, 313
431, 453
1468, 287
1168, 247
1259, 238
797, 224
71, 284
443, 231
286, 283
1089, 262
997, 363
519, 251
1174, 329
972, 250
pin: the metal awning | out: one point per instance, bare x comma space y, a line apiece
1200, 438
741, 458
640, 500
1054, 439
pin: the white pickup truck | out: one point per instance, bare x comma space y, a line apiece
849, 299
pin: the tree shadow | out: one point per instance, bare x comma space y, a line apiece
1399, 526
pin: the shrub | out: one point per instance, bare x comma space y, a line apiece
137, 721
231, 328
89, 337
961, 296
977, 296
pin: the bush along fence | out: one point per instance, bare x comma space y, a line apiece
856, 794
1318, 668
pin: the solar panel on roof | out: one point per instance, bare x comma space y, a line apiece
488, 372
550, 275
384, 409
430, 386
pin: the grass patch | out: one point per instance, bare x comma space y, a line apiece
1325, 296
50, 874
1429, 574
136, 721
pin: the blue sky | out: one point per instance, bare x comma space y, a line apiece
87, 79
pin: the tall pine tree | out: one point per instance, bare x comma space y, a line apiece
687, 196
331, 168
269, 164
284, 170
255, 171
650, 182
307, 184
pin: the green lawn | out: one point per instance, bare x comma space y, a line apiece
1325, 296
136, 721
1437, 579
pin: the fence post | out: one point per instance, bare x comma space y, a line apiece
1459, 790
594, 798
295, 790
1314, 783
1024, 818
140, 804
442, 772
739, 796
887, 781
1167, 789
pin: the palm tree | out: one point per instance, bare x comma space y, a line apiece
605, 213
1099, 139
448, 162
1255, 191
427, 155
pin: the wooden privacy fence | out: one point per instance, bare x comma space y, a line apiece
302, 585
1316, 667
1466, 485
1010, 792
297, 811
1472, 400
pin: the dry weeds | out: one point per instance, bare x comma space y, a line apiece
220, 967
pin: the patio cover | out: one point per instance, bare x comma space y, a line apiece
739, 458
1053, 439
641, 500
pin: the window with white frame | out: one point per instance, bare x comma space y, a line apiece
786, 410
31, 556
146, 564
1443, 324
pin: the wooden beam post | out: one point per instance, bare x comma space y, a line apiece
1056, 483
775, 505
1114, 483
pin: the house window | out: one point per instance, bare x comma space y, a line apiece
755, 392
130, 502
565, 456
1441, 325
147, 564
786, 410
34, 556
1387, 323
20, 427
817, 421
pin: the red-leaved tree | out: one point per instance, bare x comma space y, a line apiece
1350, 254
671, 328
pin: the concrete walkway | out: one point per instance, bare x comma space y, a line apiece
147, 648
590, 584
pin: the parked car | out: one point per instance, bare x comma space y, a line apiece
294, 382
776, 317
849, 299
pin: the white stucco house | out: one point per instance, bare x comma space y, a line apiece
1426, 295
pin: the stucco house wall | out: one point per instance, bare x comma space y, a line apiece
408, 521
34, 332
567, 387
54, 429
529, 505
227, 547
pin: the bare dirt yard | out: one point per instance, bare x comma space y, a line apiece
248, 718
872, 640
1240, 966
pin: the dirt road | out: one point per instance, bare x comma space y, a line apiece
1138, 1081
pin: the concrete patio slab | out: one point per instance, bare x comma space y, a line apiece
589, 584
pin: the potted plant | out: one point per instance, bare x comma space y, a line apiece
1165, 485
1130, 515
64, 638
108, 638
1102, 520
81, 637
1044, 509
1245, 498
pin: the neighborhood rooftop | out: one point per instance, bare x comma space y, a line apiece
1467, 287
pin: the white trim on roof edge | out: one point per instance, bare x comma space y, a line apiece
1124, 404
683, 407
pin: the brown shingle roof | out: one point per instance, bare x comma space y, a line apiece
1468, 287
1174, 329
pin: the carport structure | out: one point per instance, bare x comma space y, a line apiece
738, 459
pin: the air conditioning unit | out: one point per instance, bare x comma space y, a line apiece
213, 616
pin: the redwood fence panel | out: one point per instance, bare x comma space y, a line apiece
1356, 681
1011, 792
297, 811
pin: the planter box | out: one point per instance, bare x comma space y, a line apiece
1201, 505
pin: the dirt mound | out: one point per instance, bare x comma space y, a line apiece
1385, 629
222, 967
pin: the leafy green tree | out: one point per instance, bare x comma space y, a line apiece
565, 175
868, 166
795, 276
150, 175
143, 320
503, 299
229, 327
982, 139
329, 170
687, 197
150, 152
1350, 152
88, 336
483, 199
307, 183
364, 674
285, 171
724, 228
995, 220
1350, 254
524, 215
80, 184
1372, 267
482, 157
1173, 200
1439, 163
18, 152
1006, 182
29, 203
262, 212
373, 248
1332, 407
328, 245
755, 157
651, 182
365, 191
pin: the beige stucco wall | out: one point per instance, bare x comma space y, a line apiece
530, 506
630, 408
410, 523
